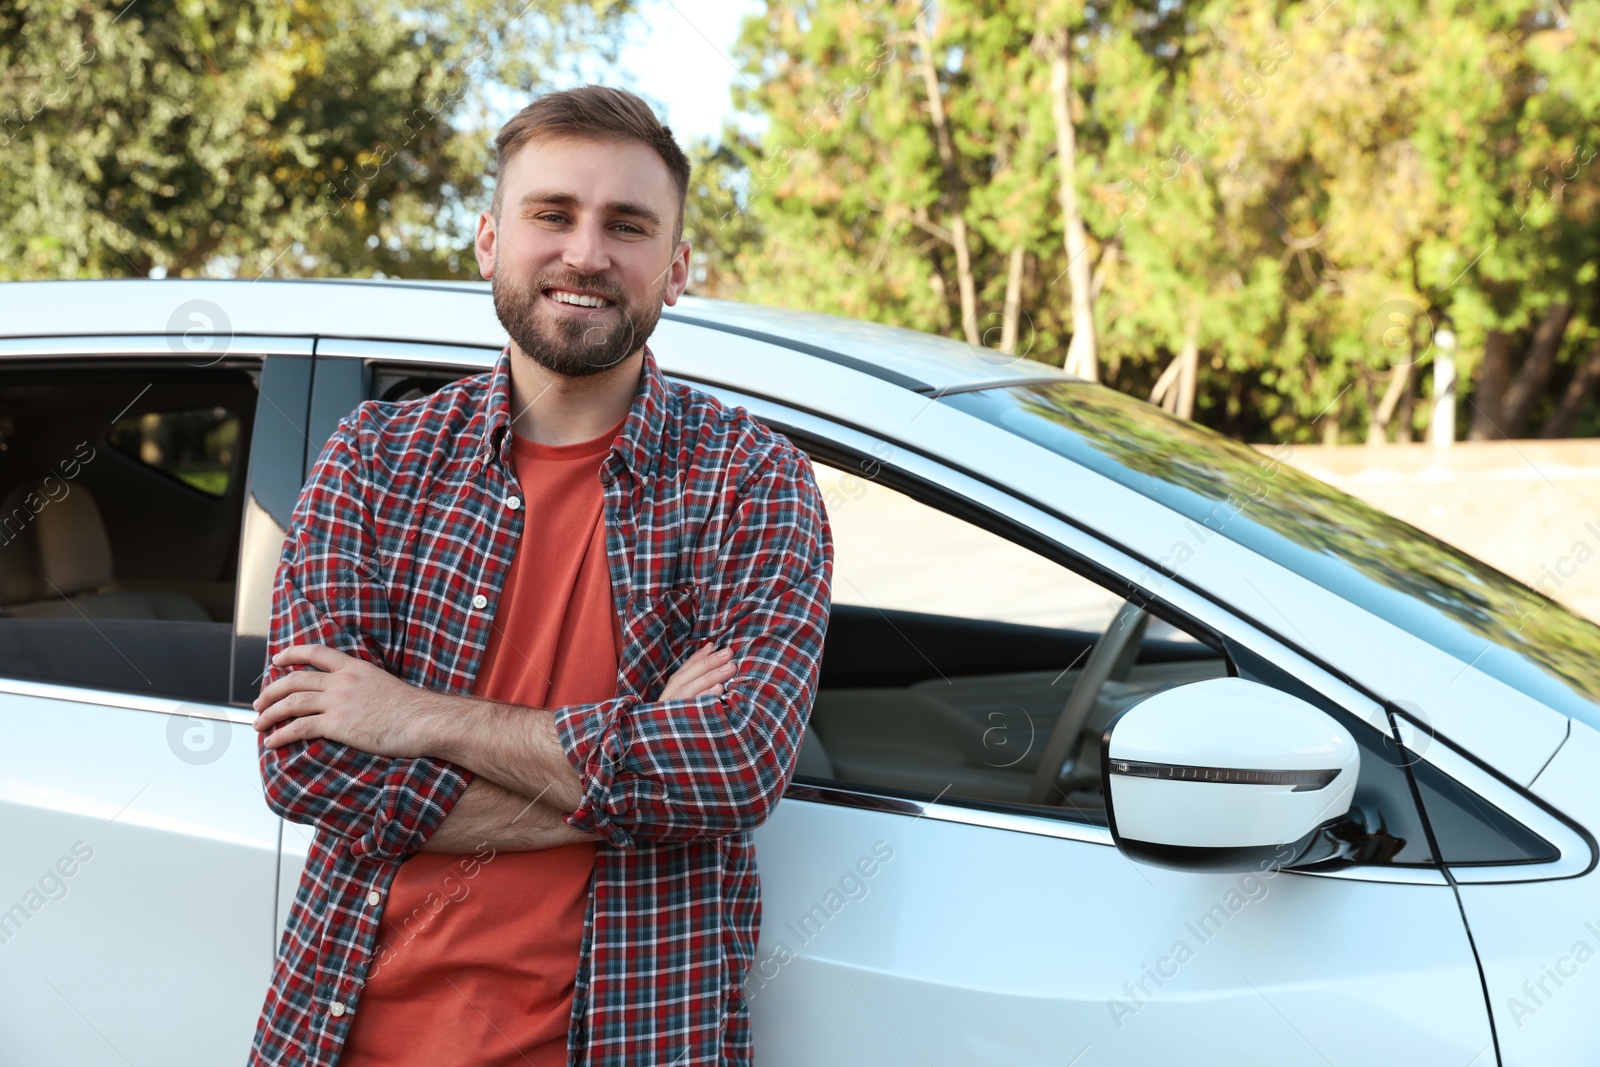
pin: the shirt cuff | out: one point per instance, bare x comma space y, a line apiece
616, 800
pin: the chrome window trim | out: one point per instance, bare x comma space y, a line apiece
158, 345
407, 352
1027, 515
127, 701
1057, 827
1007, 383
1386, 875
842, 796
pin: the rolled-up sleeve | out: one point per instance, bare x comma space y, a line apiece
327, 591
676, 770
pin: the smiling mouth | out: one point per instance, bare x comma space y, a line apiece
567, 298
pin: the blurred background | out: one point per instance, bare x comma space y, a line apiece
1365, 231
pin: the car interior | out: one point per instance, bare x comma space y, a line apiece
121, 498
1006, 706
961, 665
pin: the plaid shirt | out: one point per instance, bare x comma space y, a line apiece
396, 553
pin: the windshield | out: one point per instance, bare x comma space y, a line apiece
1454, 602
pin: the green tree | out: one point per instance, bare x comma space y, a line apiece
717, 223
313, 137
1279, 202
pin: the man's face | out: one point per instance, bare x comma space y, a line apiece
581, 222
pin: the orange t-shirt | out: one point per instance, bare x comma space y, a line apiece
477, 954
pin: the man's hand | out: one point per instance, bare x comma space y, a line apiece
350, 700
702, 674
355, 702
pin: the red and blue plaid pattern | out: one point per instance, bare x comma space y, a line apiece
715, 530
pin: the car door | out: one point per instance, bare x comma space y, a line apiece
140, 859
947, 922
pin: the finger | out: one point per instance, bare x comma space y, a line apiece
686, 686
294, 682
289, 708
708, 684
697, 666
302, 729
701, 657
319, 656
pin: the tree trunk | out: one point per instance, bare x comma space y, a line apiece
1534, 375
1399, 386
1405, 429
1013, 309
941, 292
1083, 354
953, 194
1329, 421
1576, 398
1103, 269
1488, 398
1175, 389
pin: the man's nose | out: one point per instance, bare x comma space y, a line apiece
585, 250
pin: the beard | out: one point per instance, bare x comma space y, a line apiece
569, 345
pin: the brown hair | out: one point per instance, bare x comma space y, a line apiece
592, 113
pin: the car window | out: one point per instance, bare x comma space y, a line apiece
953, 652
120, 506
1470, 831
896, 554
391, 382
198, 447
1456, 603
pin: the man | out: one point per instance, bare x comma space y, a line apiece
542, 652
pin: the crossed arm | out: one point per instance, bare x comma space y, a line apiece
367, 756
523, 782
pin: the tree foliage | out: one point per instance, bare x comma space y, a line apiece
1284, 203
303, 137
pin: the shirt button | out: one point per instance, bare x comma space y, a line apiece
337, 1009
373, 898
513, 502
480, 601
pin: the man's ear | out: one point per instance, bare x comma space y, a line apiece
677, 275
483, 245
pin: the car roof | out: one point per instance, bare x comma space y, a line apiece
462, 313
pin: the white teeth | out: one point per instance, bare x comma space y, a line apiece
579, 299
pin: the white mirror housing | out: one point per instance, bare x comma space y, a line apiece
1224, 774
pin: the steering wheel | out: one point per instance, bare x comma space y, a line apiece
1111, 658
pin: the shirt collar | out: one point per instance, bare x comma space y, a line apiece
636, 446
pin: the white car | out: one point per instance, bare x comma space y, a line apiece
1133, 745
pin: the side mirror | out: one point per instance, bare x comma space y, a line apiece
1226, 775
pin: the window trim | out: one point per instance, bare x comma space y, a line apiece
142, 346
114, 698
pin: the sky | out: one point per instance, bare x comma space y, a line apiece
677, 58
